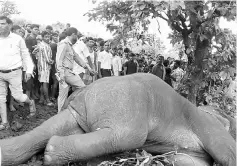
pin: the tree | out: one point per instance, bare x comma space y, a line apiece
177, 52
149, 43
8, 8
218, 86
195, 23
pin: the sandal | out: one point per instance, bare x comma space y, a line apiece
4, 126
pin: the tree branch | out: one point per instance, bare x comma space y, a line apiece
159, 15
182, 19
173, 24
176, 27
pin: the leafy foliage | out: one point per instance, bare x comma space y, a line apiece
195, 24
8, 8
220, 73
149, 43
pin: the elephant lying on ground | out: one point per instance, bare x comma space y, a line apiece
123, 113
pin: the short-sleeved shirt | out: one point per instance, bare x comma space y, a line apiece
105, 58
82, 50
131, 67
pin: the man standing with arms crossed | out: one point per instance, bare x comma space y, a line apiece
14, 54
64, 63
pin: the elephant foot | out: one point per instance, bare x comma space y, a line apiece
55, 151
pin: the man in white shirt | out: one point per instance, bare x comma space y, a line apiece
117, 64
14, 54
105, 62
83, 52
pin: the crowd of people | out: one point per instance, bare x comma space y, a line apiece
48, 65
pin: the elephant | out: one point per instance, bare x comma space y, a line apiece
121, 113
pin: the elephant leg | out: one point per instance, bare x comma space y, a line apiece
61, 150
19, 149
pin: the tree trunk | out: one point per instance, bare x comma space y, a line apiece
192, 95
200, 54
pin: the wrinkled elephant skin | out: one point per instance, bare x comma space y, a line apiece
123, 113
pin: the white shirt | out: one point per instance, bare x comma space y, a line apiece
117, 64
82, 50
14, 53
92, 56
105, 58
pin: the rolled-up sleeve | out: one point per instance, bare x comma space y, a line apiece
27, 61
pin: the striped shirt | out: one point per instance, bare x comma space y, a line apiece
44, 56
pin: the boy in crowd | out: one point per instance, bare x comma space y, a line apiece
31, 42
131, 66
53, 81
159, 68
44, 59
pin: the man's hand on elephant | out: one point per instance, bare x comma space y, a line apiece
92, 71
27, 77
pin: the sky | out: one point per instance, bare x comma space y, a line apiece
71, 11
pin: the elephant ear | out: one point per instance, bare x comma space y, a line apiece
228, 122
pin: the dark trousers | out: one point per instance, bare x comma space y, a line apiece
105, 72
